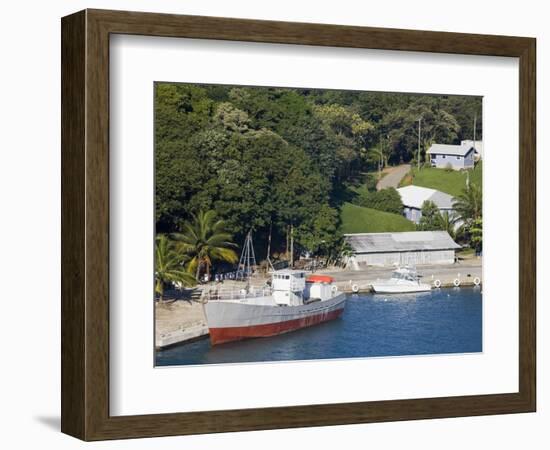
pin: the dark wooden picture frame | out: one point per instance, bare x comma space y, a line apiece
85, 224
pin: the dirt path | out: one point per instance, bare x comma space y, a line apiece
393, 177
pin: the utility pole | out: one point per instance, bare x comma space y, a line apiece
418, 157
475, 124
269, 245
386, 151
291, 245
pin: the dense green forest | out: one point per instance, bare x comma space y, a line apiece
283, 161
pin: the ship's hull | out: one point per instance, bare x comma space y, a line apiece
232, 321
388, 288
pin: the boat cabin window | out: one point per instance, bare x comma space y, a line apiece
402, 276
281, 277
288, 276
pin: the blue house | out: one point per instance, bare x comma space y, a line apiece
456, 157
413, 197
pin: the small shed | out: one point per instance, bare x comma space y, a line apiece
413, 197
456, 157
405, 248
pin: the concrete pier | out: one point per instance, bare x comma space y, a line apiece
178, 321
188, 334
183, 320
465, 272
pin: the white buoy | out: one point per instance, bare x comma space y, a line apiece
355, 288
437, 283
477, 281
456, 282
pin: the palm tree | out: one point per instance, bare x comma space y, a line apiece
430, 219
346, 252
205, 240
476, 234
169, 267
468, 205
447, 222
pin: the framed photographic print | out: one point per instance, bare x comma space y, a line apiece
267, 224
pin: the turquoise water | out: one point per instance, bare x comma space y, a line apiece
440, 321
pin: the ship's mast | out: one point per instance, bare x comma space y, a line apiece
247, 261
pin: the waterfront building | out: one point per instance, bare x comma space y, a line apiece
456, 157
413, 197
404, 248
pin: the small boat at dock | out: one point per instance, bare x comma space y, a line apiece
403, 280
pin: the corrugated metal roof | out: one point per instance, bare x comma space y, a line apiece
442, 200
400, 242
447, 149
415, 196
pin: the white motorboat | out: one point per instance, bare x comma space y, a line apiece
403, 280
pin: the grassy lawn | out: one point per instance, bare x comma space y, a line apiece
356, 219
451, 182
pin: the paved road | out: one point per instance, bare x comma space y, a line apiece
393, 177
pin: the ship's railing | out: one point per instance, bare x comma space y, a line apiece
236, 294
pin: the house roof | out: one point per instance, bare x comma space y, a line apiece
446, 149
414, 196
478, 145
400, 242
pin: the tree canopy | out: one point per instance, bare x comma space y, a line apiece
387, 200
274, 159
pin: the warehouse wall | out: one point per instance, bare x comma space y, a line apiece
414, 258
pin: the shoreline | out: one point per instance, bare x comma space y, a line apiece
182, 320
193, 334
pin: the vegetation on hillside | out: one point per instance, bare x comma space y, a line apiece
203, 241
452, 182
278, 161
169, 266
358, 219
469, 211
465, 224
387, 200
